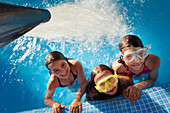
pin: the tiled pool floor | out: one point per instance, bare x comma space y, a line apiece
155, 100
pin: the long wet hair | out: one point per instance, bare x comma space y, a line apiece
90, 83
53, 56
98, 69
128, 41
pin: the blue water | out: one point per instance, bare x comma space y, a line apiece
92, 40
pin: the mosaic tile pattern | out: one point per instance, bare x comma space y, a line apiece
155, 100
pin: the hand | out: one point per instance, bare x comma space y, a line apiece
75, 106
56, 107
132, 93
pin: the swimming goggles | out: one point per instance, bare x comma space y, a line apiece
107, 83
129, 56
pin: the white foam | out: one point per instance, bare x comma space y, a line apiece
88, 25
87, 20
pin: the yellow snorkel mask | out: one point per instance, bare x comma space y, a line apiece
103, 85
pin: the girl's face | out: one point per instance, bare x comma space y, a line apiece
60, 68
112, 89
137, 62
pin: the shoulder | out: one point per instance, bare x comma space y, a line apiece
52, 83
153, 61
76, 64
118, 67
77, 68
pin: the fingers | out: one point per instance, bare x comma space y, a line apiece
54, 111
137, 95
80, 108
56, 108
134, 94
73, 110
131, 96
125, 93
128, 88
70, 109
62, 106
76, 109
128, 93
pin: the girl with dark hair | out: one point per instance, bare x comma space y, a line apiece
136, 62
104, 84
64, 72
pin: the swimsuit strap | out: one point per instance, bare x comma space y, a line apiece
75, 76
146, 66
145, 71
60, 85
129, 72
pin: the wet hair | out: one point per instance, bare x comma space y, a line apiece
128, 41
53, 56
90, 83
98, 69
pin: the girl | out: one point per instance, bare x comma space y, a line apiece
136, 62
64, 73
104, 84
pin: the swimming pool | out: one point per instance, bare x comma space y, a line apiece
86, 30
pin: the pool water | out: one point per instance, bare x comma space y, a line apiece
85, 30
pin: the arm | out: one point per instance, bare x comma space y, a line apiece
148, 82
82, 80
120, 70
126, 79
76, 104
91, 93
130, 92
153, 62
133, 92
47, 100
51, 86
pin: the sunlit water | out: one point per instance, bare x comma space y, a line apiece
85, 30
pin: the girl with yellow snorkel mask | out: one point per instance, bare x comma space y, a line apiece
136, 62
104, 83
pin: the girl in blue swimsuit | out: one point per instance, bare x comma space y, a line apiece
136, 62
64, 72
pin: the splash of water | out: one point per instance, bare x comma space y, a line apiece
87, 20
85, 31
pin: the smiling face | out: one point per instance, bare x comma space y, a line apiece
104, 74
137, 62
60, 68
